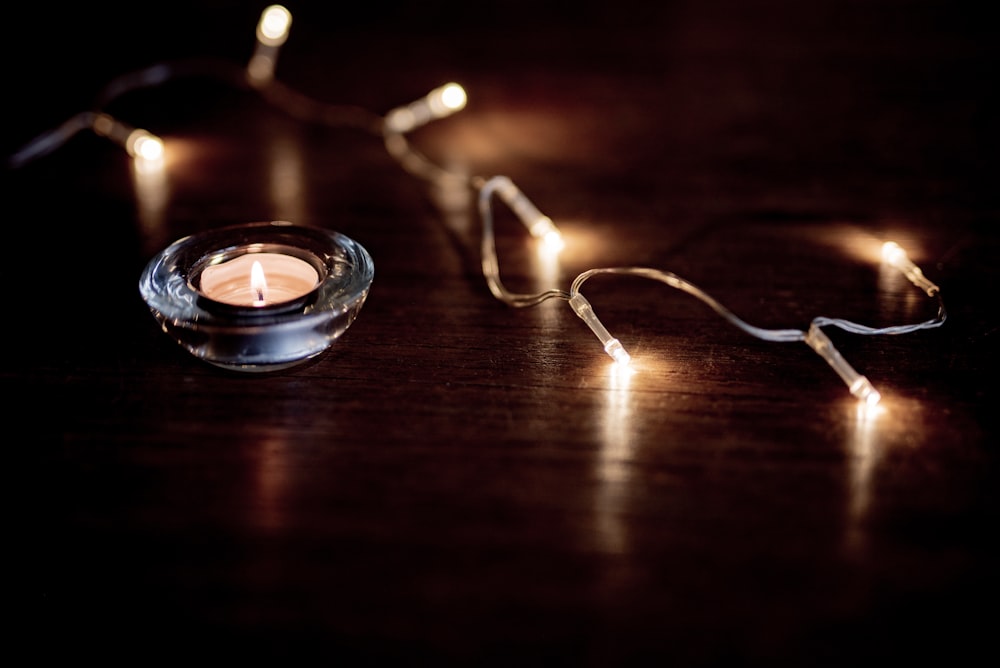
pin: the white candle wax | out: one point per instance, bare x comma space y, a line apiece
280, 278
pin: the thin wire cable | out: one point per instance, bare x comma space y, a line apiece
419, 165
51, 140
277, 94
491, 263
675, 281
856, 328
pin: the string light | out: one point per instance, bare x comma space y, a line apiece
532, 219
439, 103
272, 31
897, 257
259, 75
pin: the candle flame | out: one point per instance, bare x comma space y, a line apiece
258, 284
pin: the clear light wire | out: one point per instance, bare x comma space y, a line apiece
529, 215
394, 126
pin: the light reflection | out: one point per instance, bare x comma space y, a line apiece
546, 269
860, 244
865, 447
272, 481
149, 179
615, 458
287, 177
893, 280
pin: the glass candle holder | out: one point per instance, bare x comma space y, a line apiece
258, 297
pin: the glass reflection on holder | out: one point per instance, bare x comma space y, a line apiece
258, 297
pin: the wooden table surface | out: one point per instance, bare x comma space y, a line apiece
459, 481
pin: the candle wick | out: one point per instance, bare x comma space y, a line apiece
260, 295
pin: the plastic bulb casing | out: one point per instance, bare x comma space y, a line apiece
612, 346
144, 146
272, 31
894, 255
275, 22
137, 142
858, 385
538, 224
440, 102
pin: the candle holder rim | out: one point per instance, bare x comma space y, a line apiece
330, 307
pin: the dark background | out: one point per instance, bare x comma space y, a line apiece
457, 481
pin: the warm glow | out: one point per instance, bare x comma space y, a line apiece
612, 346
615, 462
865, 391
618, 353
545, 229
287, 177
553, 241
452, 97
897, 257
538, 225
144, 146
892, 253
274, 24
258, 284
149, 177
858, 385
866, 413
440, 102
621, 372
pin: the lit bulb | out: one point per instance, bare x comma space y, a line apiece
144, 146
553, 241
440, 102
894, 255
137, 142
612, 346
865, 391
858, 385
275, 22
272, 32
618, 353
538, 224
447, 99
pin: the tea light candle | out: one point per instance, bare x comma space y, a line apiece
258, 297
258, 279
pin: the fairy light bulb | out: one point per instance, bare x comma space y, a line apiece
858, 385
612, 346
553, 241
275, 22
439, 103
272, 31
144, 146
139, 143
447, 100
895, 256
538, 225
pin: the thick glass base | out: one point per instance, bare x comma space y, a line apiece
257, 340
